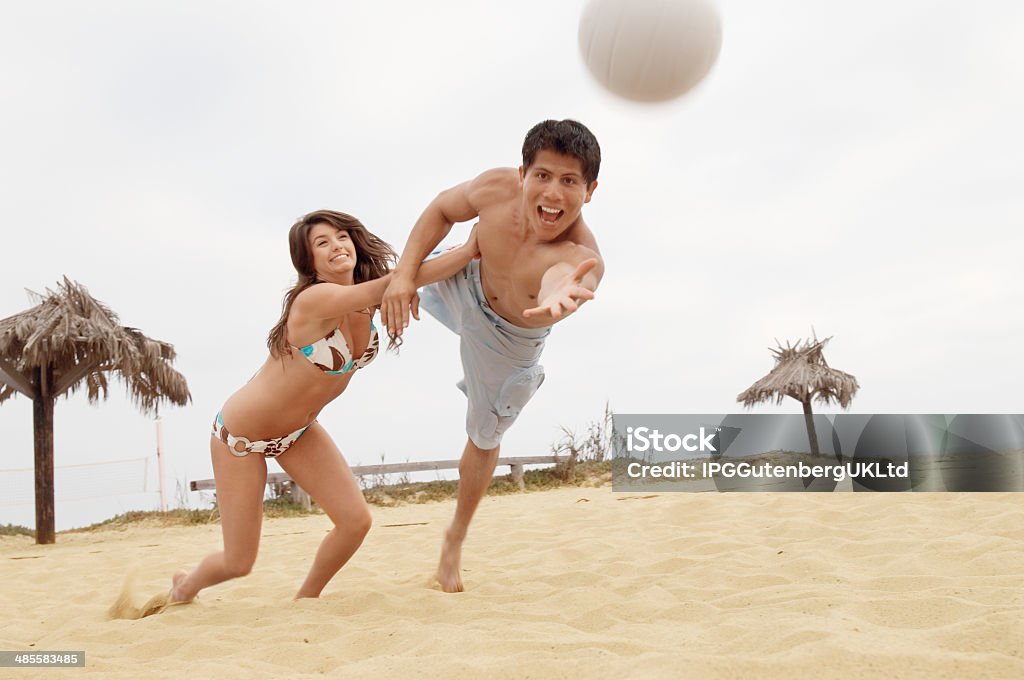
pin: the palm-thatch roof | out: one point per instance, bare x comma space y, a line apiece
802, 373
79, 339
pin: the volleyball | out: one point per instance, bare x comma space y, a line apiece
650, 50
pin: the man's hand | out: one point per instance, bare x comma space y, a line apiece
399, 298
566, 295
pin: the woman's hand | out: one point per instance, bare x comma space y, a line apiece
472, 245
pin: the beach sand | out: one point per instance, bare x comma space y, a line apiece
578, 582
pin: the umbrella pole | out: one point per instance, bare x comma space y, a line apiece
160, 462
812, 434
42, 422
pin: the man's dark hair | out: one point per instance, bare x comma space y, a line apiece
568, 137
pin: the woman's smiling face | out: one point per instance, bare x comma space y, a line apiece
334, 253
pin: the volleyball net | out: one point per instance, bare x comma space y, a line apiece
83, 481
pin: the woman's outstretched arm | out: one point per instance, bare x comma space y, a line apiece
332, 300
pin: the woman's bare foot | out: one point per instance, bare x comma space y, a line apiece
448, 569
176, 596
159, 603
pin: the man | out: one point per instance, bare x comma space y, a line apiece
538, 263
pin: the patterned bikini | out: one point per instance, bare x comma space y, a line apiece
332, 356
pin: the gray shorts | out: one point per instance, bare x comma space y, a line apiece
499, 360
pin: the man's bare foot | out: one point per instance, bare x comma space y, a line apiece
448, 572
175, 596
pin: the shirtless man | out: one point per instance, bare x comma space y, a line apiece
538, 263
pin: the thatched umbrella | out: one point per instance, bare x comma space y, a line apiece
802, 373
66, 340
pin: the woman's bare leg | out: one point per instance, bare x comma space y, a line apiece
315, 463
240, 487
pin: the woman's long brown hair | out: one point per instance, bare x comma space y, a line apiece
374, 258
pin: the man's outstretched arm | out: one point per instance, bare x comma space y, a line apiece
461, 203
567, 285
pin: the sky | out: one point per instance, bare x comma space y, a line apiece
851, 168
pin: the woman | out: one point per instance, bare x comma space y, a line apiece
325, 335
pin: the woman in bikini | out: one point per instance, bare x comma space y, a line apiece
325, 334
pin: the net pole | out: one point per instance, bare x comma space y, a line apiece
160, 462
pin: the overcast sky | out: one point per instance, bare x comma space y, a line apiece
855, 167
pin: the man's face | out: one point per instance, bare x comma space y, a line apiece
554, 191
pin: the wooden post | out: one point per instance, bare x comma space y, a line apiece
812, 433
160, 462
517, 476
299, 496
42, 423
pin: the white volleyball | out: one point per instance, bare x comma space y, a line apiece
650, 50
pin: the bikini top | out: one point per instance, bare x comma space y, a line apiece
333, 356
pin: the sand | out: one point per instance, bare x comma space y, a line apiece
566, 583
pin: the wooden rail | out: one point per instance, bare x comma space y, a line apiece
515, 464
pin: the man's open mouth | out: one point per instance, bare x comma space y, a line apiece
549, 215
